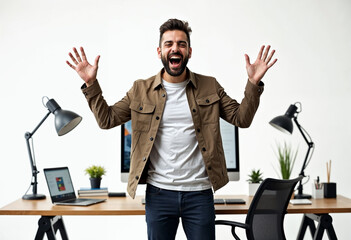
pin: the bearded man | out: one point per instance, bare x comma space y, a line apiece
176, 141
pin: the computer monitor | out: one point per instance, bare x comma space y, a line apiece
230, 139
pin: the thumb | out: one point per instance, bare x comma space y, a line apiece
96, 63
247, 59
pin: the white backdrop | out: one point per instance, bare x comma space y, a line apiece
313, 44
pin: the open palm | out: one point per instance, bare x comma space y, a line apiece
84, 69
258, 69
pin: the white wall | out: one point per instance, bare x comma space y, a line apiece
313, 43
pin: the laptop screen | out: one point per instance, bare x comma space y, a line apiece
59, 183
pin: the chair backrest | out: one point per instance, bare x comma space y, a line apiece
268, 208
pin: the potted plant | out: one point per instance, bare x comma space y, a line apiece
255, 179
95, 172
286, 158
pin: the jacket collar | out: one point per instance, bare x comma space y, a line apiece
158, 79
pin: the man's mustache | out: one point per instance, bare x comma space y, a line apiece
175, 54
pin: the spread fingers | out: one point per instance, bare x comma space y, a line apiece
69, 64
73, 58
83, 54
77, 55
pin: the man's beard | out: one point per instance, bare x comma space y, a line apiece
174, 72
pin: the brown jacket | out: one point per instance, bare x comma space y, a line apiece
144, 104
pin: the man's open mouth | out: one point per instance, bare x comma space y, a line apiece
175, 61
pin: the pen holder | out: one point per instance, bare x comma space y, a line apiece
317, 193
329, 190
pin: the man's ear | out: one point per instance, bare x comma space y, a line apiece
159, 52
190, 52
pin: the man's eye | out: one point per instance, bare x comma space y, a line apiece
182, 45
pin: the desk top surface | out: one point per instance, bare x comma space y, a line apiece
129, 206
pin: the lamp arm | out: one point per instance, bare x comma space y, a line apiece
28, 136
309, 143
38, 126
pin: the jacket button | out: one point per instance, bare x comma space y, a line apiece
140, 108
144, 159
151, 138
204, 149
157, 118
207, 100
198, 130
163, 95
194, 110
137, 177
209, 168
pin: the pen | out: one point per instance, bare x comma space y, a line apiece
317, 185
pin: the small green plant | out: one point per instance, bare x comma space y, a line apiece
255, 176
286, 158
95, 171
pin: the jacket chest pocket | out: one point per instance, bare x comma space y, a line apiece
209, 108
141, 115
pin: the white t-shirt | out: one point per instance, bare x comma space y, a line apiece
176, 162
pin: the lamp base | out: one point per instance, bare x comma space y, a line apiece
33, 196
302, 196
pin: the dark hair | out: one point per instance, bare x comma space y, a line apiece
175, 24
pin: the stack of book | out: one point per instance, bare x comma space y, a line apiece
90, 192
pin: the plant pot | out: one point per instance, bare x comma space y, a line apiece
253, 188
95, 182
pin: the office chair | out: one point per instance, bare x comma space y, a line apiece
265, 217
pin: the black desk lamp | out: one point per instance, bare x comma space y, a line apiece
284, 124
65, 121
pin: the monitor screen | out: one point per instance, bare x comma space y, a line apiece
230, 138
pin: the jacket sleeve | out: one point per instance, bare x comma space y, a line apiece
105, 115
241, 114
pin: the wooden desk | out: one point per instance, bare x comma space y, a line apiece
51, 219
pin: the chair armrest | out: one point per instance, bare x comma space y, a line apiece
233, 225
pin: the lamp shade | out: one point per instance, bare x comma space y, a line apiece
284, 122
65, 120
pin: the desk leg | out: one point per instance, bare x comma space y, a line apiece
306, 222
325, 223
49, 225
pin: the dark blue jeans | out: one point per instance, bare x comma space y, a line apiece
165, 207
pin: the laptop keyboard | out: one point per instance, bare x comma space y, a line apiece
78, 200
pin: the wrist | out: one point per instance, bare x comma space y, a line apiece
253, 81
90, 82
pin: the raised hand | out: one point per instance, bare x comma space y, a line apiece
258, 69
84, 69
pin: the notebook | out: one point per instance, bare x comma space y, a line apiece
300, 201
61, 188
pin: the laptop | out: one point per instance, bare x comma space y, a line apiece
61, 188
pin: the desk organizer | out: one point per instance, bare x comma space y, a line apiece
317, 193
329, 190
